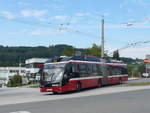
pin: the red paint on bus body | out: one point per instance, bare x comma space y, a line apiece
117, 79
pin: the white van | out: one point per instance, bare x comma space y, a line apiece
146, 75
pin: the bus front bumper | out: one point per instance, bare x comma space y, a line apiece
51, 89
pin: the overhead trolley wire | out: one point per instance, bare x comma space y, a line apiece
60, 27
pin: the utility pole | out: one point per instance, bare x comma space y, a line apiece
19, 66
102, 37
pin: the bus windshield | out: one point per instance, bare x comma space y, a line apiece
53, 72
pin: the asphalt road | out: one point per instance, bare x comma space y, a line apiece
110, 99
125, 102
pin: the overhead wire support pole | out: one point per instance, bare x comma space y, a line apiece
102, 37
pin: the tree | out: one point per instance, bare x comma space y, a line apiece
116, 55
68, 51
130, 68
141, 69
136, 70
95, 50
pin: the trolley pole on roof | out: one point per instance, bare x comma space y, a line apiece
102, 37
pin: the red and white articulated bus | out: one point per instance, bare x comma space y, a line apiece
71, 75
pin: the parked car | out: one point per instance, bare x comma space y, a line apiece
146, 75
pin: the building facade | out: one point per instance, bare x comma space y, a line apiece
6, 73
33, 66
28, 73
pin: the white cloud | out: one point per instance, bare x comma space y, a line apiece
142, 24
22, 31
61, 17
12, 33
83, 14
36, 32
141, 3
43, 19
40, 32
123, 4
74, 20
8, 15
56, 0
131, 52
33, 13
116, 26
55, 5
22, 3
47, 32
135, 52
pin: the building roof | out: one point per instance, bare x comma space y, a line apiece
36, 60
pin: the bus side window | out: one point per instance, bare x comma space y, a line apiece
124, 70
110, 69
105, 71
75, 70
95, 70
118, 70
83, 70
89, 69
99, 70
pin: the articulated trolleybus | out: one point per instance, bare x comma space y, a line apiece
76, 73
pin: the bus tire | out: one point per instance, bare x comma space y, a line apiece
78, 86
55, 93
99, 84
120, 80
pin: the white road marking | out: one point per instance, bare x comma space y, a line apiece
21, 112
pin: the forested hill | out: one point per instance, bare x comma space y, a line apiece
10, 56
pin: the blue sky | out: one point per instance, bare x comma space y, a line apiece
77, 23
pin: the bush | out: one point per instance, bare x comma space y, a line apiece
15, 81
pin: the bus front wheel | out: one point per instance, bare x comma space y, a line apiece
55, 93
99, 83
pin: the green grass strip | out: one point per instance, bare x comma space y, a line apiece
139, 84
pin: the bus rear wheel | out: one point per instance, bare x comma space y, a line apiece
78, 86
99, 83
120, 80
